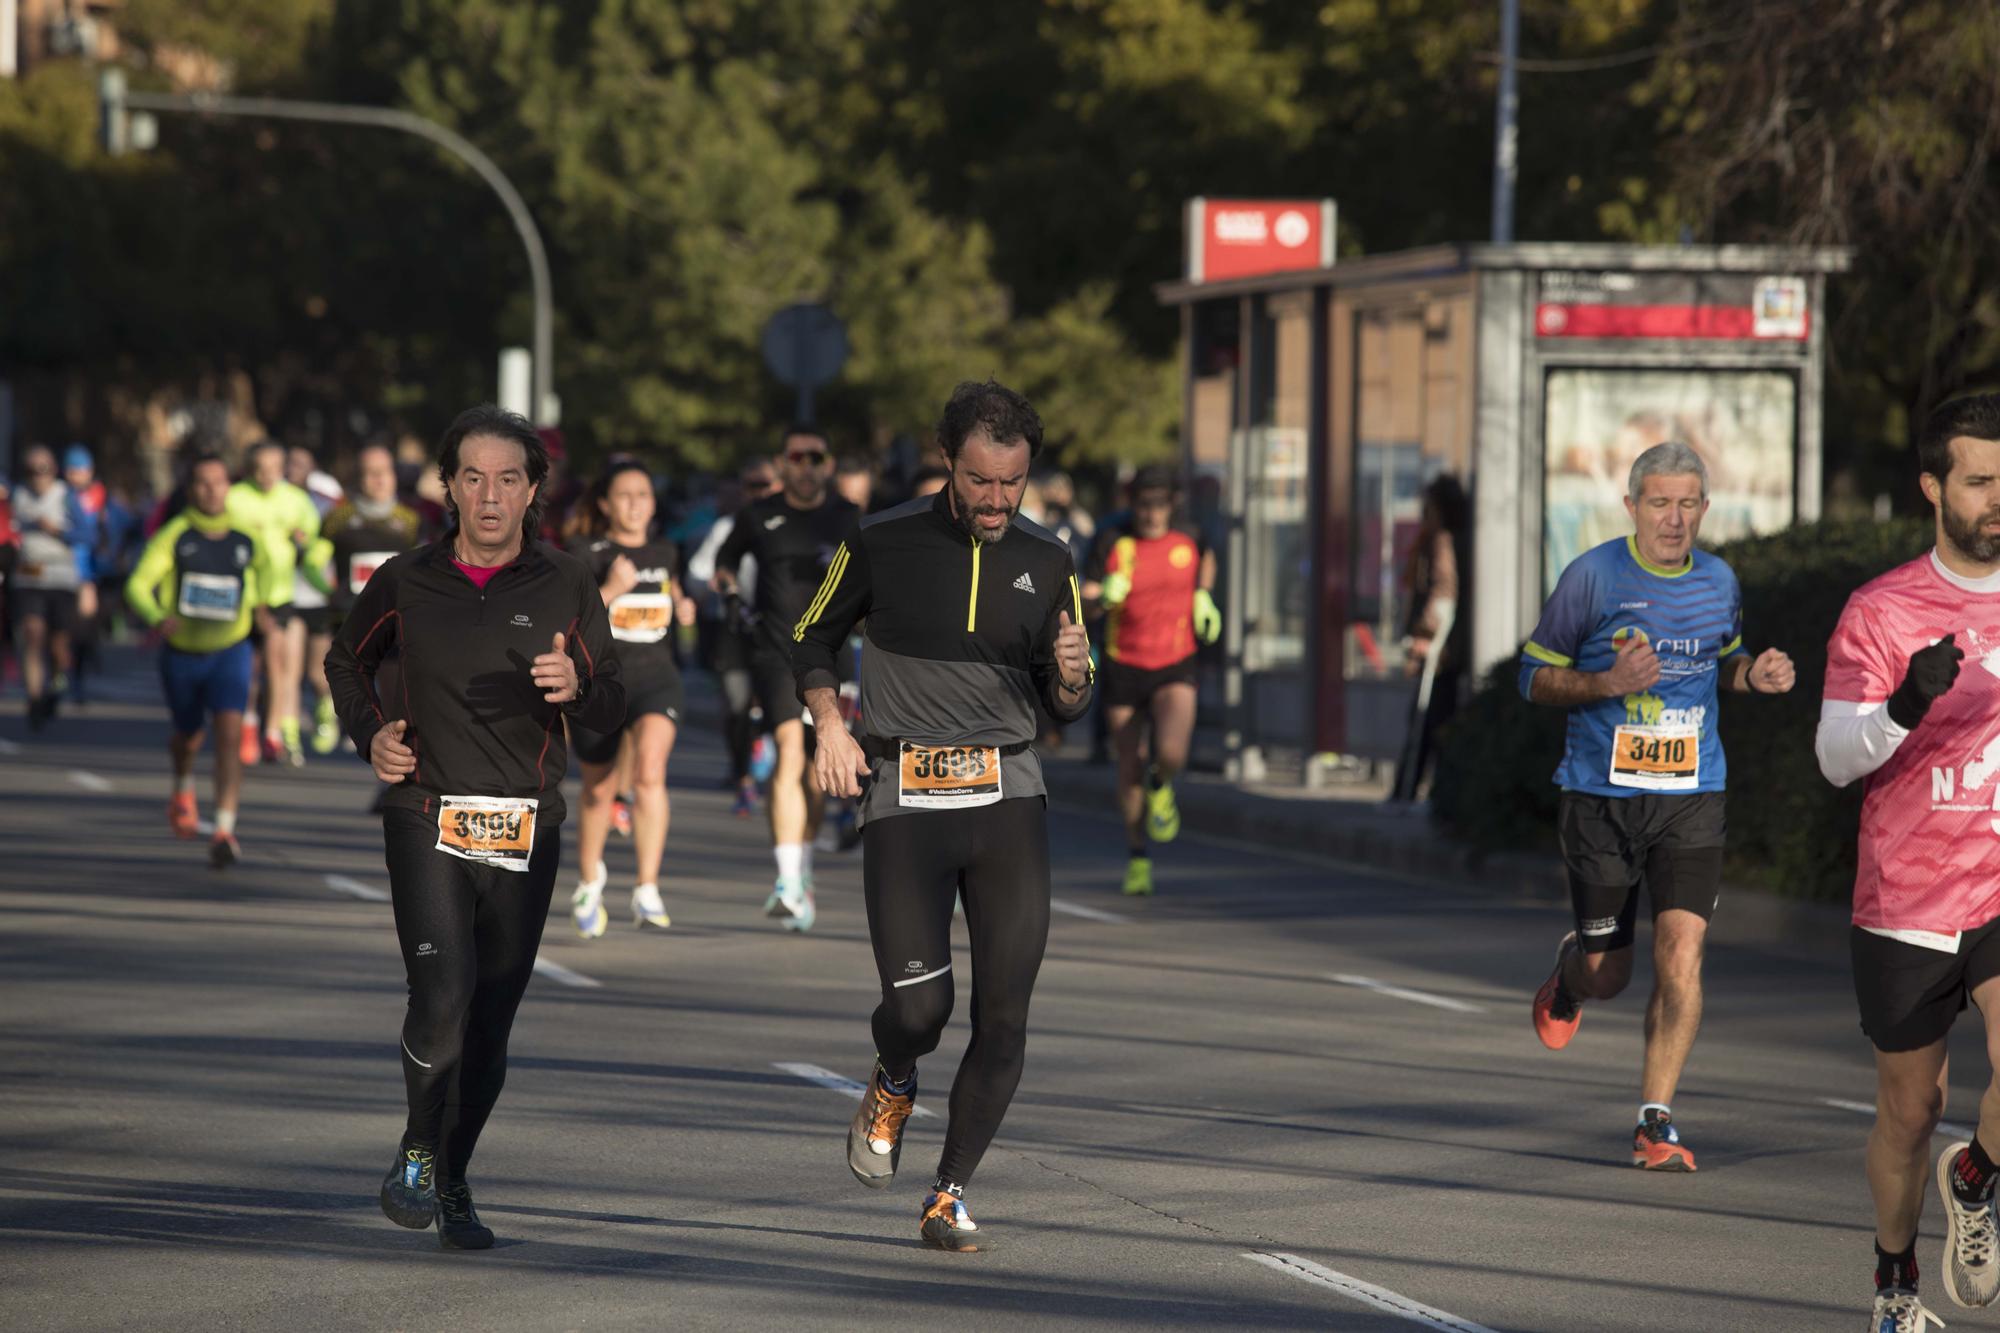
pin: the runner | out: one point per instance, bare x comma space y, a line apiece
973, 616
635, 575
1899, 713
283, 517
1637, 638
503, 637
201, 582
51, 583
792, 535
1152, 578
364, 532
728, 639
312, 589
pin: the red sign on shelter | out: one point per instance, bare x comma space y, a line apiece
1245, 238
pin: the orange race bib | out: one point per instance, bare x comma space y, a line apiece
1656, 758
948, 777
641, 617
493, 830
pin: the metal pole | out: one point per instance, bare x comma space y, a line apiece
409, 123
1506, 130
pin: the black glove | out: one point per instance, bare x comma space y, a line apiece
1932, 671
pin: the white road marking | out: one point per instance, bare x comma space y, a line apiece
1868, 1108
1367, 1293
88, 781
562, 976
354, 888
9, 748
204, 827
1087, 913
1402, 993
826, 1078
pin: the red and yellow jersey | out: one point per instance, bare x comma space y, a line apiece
1154, 627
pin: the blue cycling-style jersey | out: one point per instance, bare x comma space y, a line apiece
1665, 738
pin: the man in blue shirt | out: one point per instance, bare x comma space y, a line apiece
1635, 641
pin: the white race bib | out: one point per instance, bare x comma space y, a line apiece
1656, 758
493, 830
641, 617
948, 777
361, 566
210, 596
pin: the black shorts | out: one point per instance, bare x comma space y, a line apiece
319, 619
54, 607
1121, 686
774, 686
1910, 995
1669, 841
655, 692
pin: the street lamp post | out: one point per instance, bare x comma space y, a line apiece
1506, 129
116, 101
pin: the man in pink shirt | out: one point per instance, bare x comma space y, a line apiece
1912, 707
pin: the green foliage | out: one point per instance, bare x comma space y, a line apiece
1789, 830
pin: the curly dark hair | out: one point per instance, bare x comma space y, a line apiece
992, 407
1975, 415
498, 422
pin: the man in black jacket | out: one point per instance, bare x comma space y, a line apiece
502, 636
973, 617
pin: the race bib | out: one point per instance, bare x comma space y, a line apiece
1656, 758
493, 830
361, 567
210, 596
948, 777
641, 617
30, 569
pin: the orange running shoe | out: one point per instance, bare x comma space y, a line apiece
182, 816
946, 1225
249, 751
1557, 1012
875, 1138
1657, 1146
621, 817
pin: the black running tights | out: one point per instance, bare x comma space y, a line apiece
913, 866
469, 933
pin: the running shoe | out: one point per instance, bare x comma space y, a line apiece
786, 902
875, 1139
409, 1191
621, 817
326, 727
1899, 1311
746, 799
224, 851
183, 816
1971, 1271
946, 1225
1657, 1146
763, 759
647, 909
586, 906
804, 912
1139, 877
459, 1227
1557, 1013
288, 740
273, 749
248, 750
1163, 816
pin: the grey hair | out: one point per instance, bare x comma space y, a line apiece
1672, 459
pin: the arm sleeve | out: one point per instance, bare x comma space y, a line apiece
370, 630
155, 567
1042, 661
1856, 735
735, 546
701, 565
600, 704
843, 598
1565, 624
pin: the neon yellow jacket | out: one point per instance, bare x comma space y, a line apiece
208, 574
285, 521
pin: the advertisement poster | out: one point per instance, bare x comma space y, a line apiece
1743, 423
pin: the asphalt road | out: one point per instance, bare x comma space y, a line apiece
199, 1091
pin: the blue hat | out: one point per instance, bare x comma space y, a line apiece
77, 456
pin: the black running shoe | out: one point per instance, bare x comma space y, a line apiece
459, 1227
409, 1191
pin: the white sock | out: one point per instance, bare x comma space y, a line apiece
806, 859
225, 821
183, 784
1666, 1111
791, 858
594, 885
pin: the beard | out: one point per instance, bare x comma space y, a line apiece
964, 517
1977, 546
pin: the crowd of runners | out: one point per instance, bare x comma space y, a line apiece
886, 669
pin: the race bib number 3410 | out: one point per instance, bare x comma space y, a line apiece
1656, 758
493, 830
948, 777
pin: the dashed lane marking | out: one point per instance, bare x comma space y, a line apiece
88, 781
8, 747
1403, 993
1087, 913
1367, 1293
826, 1078
562, 976
354, 888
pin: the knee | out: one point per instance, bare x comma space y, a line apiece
917, 1014
650, 782
1907, 1117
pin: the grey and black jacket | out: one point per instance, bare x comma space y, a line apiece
959, 644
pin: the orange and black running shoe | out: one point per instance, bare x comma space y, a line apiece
1557, 1012
875, 1138
1657, 1146
946, 1225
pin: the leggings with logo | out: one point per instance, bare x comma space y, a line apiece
914, 865
469, 933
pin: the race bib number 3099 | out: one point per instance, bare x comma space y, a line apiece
494, 830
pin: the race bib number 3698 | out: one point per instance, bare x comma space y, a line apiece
948, 777
493, 830
1656, 758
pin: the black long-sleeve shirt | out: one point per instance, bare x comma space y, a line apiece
478, 722
960, 636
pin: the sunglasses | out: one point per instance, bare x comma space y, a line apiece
812, 456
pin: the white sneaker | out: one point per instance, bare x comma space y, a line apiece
803, 913
1901, 1312
586, 906
1971, 1266
647, 909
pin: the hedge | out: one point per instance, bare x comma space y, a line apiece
1790, 831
